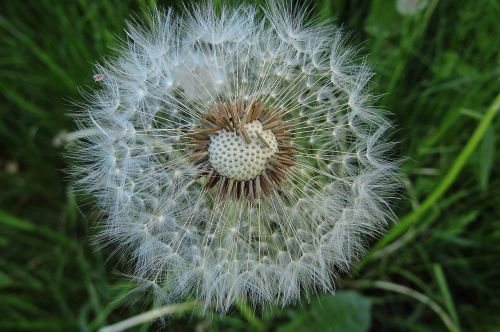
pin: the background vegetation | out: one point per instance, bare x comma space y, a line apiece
437, 269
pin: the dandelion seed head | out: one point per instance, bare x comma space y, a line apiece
236, 155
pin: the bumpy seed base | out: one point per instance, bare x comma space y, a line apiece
232, 157
242, 149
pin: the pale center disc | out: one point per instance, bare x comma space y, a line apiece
233, 158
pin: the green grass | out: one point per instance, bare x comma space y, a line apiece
437, 73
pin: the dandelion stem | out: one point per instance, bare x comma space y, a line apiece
385, 285
149, 316
450, 177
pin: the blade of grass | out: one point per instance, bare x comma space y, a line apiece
23, 104
385, 285
445, 292
249, 315
38, 52
450, 177
9, 220
149, 316
324, 9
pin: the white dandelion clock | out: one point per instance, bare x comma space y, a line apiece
236, 155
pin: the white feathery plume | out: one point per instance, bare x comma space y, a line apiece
236, 155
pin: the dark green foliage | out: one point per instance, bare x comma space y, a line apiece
437, 72
347, 311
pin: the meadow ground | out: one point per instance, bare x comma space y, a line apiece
436, 269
